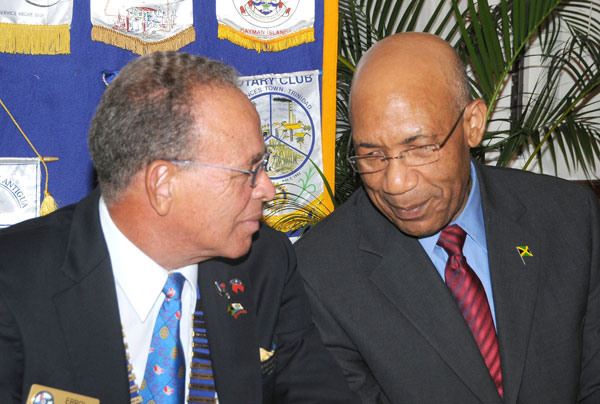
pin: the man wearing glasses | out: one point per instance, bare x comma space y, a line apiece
442, 280
163, 286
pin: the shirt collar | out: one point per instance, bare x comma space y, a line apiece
140, 278
470, 219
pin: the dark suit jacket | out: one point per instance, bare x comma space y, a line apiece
387, 316
60, 326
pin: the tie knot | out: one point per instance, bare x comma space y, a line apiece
452, 239
174, 286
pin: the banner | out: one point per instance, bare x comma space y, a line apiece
36, 27
19, 190
266, 25
143, 26
290, 112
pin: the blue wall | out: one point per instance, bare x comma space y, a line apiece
53, 97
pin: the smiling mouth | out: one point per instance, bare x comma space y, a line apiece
411, 213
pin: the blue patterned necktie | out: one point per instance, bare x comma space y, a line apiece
164, 378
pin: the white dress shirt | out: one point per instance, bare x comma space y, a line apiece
139, 283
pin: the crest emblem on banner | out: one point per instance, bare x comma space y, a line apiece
266, 25
290, 112
19, 190
143, 26
36, 27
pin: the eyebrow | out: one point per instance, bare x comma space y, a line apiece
258, 157
408, 140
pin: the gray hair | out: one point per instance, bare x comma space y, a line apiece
146, 114
460, 83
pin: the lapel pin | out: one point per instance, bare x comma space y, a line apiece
524, 252
221, 288
236, 285
236, 310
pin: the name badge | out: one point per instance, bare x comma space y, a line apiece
39, 394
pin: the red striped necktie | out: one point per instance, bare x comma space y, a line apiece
471, 299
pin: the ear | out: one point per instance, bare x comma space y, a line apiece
475, 121
159, 187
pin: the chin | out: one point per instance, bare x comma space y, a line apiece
238, 250
418, 231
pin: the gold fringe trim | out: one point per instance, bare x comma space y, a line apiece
269, 45
139, 46
35, 39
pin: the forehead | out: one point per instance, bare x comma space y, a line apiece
399, 111
394, 120
227, 124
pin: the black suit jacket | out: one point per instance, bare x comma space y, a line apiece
391, 322
60, 326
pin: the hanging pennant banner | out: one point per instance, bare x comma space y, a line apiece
36, 27
290, 113
266, 25
19, 190
143, 26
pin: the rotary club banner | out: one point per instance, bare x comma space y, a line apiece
36, 27
19, 190
266, 25
143, 26
290, 113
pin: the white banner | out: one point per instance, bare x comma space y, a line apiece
266, 25
290, 112
19, 189
35, 26
143, 26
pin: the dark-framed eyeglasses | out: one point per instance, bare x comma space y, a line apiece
413, 157
254, 173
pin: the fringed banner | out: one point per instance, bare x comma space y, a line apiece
143, 26
266, 25
19, 190
36, 27
290, 112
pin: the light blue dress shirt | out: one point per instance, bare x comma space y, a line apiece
475, 248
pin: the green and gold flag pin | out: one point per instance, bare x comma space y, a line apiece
524, 252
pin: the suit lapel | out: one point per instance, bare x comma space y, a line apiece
406, 276
232, 341
514, 280
87, 308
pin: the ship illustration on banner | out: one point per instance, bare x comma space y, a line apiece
143, 26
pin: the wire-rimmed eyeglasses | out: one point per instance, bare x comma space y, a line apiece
254, 173
415, 156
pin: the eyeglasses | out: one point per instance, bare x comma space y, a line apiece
254, 173
416, 156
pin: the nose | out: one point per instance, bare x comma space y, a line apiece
399, 178
264, 189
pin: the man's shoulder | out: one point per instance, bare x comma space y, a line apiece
338, 226
36, 233
330, 249
533, 187
31, 246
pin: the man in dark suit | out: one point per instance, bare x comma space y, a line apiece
442, 280
181, 166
